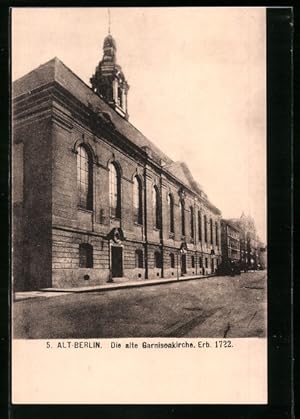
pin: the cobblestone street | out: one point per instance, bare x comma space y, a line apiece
209, 307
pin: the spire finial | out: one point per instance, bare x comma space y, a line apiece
108, 11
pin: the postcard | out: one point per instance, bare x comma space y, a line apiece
139, 238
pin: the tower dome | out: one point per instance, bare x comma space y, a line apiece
109, 42
109, 81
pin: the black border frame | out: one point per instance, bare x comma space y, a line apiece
279, 152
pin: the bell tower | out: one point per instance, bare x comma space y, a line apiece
109, 81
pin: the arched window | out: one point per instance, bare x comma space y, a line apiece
211, 231
172, 260
205, 228
199, 226
139, 260
84, 178
137, 200
157, 259
171, 213
192, 221
85, 255
193, 261
114, 191
217, 233
182, 216
156, 207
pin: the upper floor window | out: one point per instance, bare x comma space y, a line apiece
192, 221
171, 213
137, 200
182, 216
199, 226
156, 207
217, 233
85, 255
84, 178
205, 228
211, 231
114, 191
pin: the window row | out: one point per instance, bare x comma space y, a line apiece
139, 260
85, 192
86, 258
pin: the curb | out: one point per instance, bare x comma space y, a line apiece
146, 283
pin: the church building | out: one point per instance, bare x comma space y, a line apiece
93, 199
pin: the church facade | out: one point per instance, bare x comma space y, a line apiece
94, 200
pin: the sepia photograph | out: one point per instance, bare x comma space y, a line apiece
139, 177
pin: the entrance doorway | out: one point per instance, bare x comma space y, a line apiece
212, 266
116, 261
183, 264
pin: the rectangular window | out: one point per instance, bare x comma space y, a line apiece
139, 262
193, 261
85, 255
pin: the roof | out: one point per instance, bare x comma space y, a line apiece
56, 71
233, 223
180, 170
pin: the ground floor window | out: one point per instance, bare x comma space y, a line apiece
172, 260
157, 259
206, 262
139, 260
193, 261
85, 255
200, 262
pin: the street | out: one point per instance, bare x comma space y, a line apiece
214, 307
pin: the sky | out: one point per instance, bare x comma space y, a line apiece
197, 81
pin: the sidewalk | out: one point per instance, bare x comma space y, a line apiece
53, 292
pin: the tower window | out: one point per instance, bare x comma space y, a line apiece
137, 200
114, 191
120, 99
84, 178
85, 255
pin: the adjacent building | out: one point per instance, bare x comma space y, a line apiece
262, 256
230, 237
248, 242
94, 200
